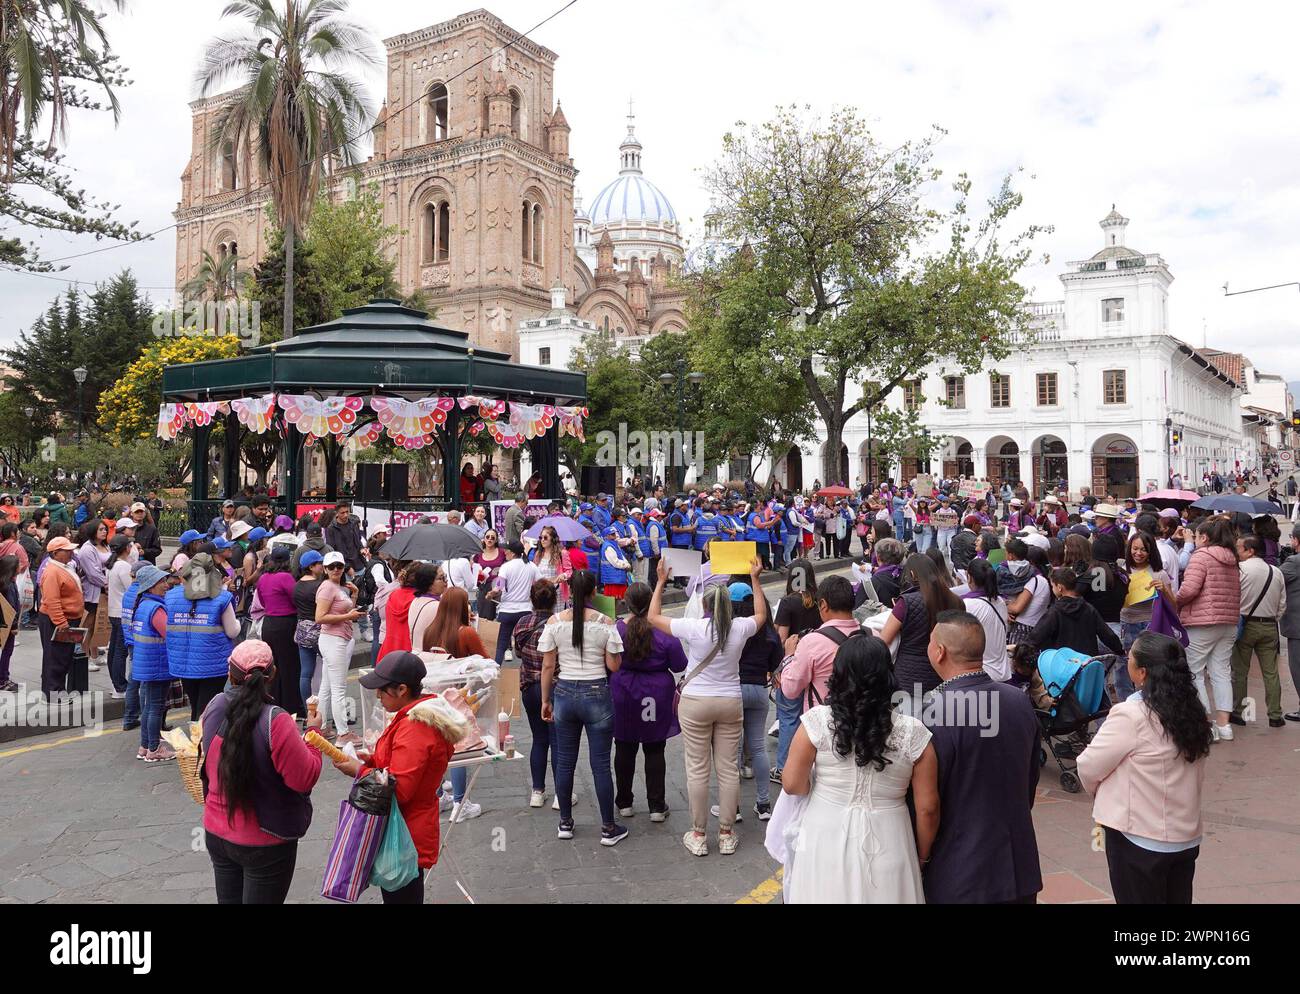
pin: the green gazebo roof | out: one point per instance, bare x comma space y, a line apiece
381, 347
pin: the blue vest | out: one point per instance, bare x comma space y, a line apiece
149, 651
642, 540
128, 612
625, 530
753, 532
611, 574
603, 518
197, 646
654, 530
678, 519
705, 531
774, 533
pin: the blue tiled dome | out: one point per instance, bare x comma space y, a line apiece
631, 197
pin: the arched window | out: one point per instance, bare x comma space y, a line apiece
606, 325
526, 232
437, 113
516, 113
435, 240
427, 231
229, 172
444, 232
234, 254
537, 233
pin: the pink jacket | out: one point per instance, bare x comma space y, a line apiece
1142, 784
1209, 593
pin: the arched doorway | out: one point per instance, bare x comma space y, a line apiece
793, 469
1003, 461
957, 459
1115, 466
869, 465
1051, 464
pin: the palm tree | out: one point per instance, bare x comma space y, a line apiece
215, 279
299, 107
46, 48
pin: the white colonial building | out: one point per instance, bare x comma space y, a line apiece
1102, 396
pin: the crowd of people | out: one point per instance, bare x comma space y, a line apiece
946, 595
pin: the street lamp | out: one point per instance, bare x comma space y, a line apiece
79, 374
680, 378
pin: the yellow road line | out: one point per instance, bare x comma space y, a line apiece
86, 736
766, 892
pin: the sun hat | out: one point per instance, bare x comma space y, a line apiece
150, 576
239, 529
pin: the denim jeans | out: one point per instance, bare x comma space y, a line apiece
507, 621
251, 874
787, 713
153, 695
131, 714
117, 655
924, 538
306, 670
1128, 633
790, 542
944, 537
541, 747
754, 700
579, 705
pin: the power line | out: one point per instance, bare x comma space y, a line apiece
240, 200
61, 279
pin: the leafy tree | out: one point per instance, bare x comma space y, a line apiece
148, 463
845, 278
299, 109
20, 435
215, 280
619, 392
54, 57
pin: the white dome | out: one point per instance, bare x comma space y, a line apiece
631, 197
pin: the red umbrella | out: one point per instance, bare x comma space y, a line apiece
1169, 498
834, 491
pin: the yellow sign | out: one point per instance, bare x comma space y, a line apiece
731, 557
1141, 588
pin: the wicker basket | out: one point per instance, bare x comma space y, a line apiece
189, 767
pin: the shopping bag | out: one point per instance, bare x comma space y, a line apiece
1165, 621
26, 591
352, 853
397, 862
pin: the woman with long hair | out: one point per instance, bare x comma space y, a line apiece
1144, 564
450, 630
397, 610
488, 562
429, 583
710, 708
855, 843
92, 562
578, 646
924, 596
257, 773
1266, 529
279, 621
1027, 608
1145, 767
983, 601
525, 638
642, 695
336, 613
553, 562
1106, 584
9, 590
759, 660
935, 555
1209, 606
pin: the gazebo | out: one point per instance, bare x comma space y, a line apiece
380, 367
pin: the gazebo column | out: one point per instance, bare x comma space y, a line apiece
200, 468
333, 457
546, 457
292, 459
230, 464
451, 457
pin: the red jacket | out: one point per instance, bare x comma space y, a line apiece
416, 747
470, 487
1209, 592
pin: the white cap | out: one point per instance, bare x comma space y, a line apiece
335, 558
125, 523
636, 510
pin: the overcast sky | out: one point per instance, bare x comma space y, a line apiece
1181, 114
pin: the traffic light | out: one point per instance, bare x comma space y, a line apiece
1295, 420
1177, 437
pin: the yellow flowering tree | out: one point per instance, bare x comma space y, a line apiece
129, 409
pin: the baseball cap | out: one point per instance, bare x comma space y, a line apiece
396, 667
257, 534
739, 591
150, 576
517, 547
584, 506
118, 542
611, 530
600, 497
124, 523
378, 530
335, 559
1088, 515
228, 503
282, 550
309, 558
137, 506
1170, 512
252, 654
636, 510
59, 544
222, 543
239, 529
189, 536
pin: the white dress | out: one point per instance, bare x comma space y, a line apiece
855, 843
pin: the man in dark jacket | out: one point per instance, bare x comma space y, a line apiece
314, 540
986, 738
146, 533
1071, 622
344, 535
962, 548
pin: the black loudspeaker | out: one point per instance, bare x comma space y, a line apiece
396, 481
370, 482
599, 480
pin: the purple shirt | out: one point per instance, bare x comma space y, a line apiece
276, 593
641, 690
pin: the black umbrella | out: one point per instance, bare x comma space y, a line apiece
1238, 503
431, 543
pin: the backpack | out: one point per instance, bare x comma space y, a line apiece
368, 586
839, 638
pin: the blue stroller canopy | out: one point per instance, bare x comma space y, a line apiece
1058, 666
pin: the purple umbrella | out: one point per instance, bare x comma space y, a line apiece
568, 529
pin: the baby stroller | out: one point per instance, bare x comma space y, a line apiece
1078, 683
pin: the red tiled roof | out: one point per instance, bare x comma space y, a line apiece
1232, 363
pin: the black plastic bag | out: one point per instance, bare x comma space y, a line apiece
373, 793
